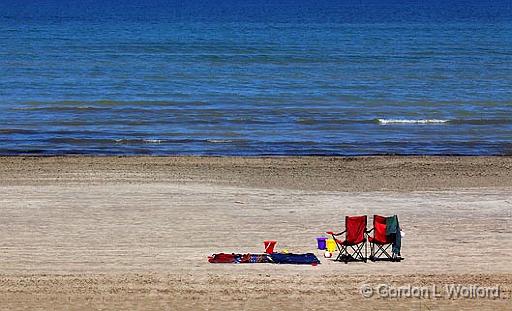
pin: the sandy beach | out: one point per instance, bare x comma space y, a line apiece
81, 233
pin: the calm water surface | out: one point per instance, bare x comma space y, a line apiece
255, 77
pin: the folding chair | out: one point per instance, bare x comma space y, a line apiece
351, 249
380, 242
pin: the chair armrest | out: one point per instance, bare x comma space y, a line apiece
335, 234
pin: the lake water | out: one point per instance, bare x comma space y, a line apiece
255, 77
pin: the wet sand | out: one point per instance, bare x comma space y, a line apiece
135, 232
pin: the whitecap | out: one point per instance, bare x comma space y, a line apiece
152, 141
412, 121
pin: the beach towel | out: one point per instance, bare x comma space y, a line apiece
238, 258
393, 229
252, 258
298, 259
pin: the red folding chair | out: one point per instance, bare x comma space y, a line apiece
380, 242
351, 249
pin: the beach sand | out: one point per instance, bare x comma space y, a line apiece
81, 233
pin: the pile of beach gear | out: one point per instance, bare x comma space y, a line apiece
383, 241
270, 256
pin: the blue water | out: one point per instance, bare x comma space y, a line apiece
256, 77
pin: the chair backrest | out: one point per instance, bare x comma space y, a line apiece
380, 229
356, 228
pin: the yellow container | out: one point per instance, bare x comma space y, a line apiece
331, 245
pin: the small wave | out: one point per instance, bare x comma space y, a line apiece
134, 141
152, 141
219, 141
412, 121
119, 141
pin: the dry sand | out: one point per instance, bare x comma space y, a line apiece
135, 232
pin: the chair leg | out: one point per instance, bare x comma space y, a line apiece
342, 253
357, 252
345, 255
384, 251
353, 252
365, 251
381, 252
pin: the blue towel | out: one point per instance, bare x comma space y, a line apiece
298, 259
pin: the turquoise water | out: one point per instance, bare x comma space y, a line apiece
255, 77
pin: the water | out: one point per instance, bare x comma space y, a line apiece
255, 77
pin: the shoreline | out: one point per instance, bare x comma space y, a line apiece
346, 157
379, 173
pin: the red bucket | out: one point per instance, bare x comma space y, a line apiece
269, 246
